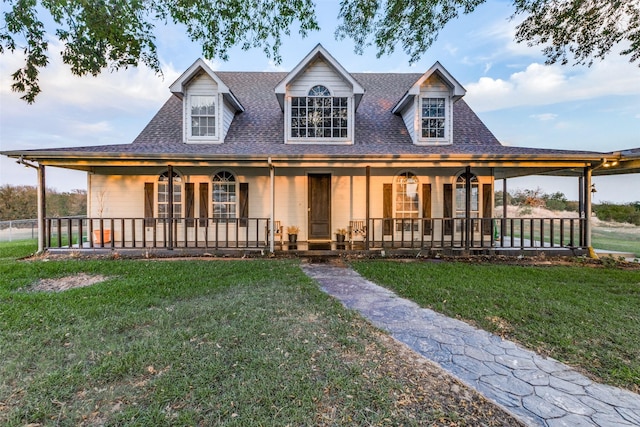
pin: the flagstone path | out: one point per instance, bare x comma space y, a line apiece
537, 390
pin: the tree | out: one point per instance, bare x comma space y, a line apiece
113, 34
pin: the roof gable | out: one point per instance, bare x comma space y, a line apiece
199, 66
318, 52
457, 91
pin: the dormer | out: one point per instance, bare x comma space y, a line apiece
208, 106
319, 99
427, 107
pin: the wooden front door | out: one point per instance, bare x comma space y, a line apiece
319, 206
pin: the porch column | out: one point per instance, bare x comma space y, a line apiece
272, 236
170, 207
581, 213
42, 209
467, 209
505, 200
587, 209
367, 206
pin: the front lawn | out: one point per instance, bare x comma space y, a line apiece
173, 343
585, 316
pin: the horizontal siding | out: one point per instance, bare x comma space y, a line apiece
116, 196
320, 73
202, 83
227, 117
435, 83
411, 120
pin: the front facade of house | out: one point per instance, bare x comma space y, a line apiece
239, 159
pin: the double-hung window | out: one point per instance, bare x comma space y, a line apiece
319, 115
163, 195
407, 201
433, 118
461, 198
203, 116
224, 195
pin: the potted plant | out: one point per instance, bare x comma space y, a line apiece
292, 231
341, 235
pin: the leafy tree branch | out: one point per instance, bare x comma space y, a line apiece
114, 34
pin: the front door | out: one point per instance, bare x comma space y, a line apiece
320, 206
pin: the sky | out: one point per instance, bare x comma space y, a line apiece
522, 101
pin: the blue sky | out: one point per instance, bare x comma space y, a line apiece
524, 102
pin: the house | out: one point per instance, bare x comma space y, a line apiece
232, 159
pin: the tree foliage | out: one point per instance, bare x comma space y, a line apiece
113, 34
21, 202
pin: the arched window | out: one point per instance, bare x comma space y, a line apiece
319, 90
319, 115
407, 200
163, 195
461, 196
224, 196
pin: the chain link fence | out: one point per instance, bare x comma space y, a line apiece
19, 229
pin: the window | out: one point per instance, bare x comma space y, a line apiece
319, 115
407, 200
163, 195
203, 116
433, 118
461, 198
224, 195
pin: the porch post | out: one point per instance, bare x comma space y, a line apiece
467, 209
587, 209
272, 223
42, 209
170, 206
367, 206
581, 213
504, 211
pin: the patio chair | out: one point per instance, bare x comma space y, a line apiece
277, 231
357, 227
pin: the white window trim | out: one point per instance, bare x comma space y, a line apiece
395, 198
236, 202
448, 120
156, 195
288, 139
187, 118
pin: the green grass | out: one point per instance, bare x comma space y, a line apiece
250, 342
619, 240
17, 249
584, 316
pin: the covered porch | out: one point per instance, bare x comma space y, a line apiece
371, 227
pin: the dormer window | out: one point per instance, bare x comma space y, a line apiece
319, 115
203, 116
433, 117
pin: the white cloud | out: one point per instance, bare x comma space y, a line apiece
124, 90
544, 116
539, 84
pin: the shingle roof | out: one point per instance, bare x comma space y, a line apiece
259, 129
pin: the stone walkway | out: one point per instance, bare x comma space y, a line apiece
539, 391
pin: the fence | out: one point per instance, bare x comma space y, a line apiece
19, 229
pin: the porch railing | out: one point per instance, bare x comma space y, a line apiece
124, 233
476, 233
251, 233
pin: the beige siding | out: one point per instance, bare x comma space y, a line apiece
202, 83
122, 196
411, 120
319, 72
227, 117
